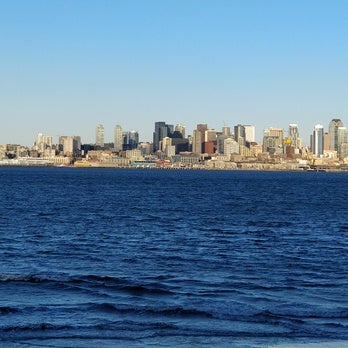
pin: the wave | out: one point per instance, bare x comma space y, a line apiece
90, 282
7, 310
166, 312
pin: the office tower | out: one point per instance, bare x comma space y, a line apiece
226, 131
277, 132
162, 130
130, 140
71, 145
118, 138
231, 146
333, 133
166, 141
202, 127
343, 151
273, 140
326, 141
210, 135
318, 140
249, 132
220, 142
43, 142
294, 135
239, 134
99, 135
181, 129
197, 141
342, 138
341, 135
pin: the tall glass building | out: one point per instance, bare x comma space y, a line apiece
318, 140
333, 133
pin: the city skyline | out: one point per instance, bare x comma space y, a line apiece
67, 66
106, 135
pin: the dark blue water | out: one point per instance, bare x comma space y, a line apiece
106, 258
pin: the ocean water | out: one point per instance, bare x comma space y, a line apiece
173, 258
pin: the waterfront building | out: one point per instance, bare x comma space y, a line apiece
118, 138
99, 135
333, 133
318, 140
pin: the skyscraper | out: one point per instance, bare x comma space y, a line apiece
71, 145
318, 140
197, 141
249, 132
130, 140
43, 142
239, 134
162, 130
99, 135
294, 135
118, 138
342, 138
273, 140
180, 128
333, 133
226, 131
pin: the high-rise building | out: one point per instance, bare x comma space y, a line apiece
343, 151
239, 134
210, 135
162, 130
318, 140
341, 135
166, 141
99, 135
43, 143
118, 138
70, 145
273, 140
333, 133
249, 132
130, 140
294, 136
231, 146
326, 141
197, 141
181, 129
226, 131
342, 138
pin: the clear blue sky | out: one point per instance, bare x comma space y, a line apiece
67, 65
